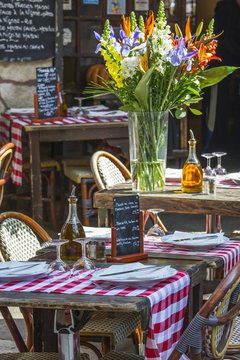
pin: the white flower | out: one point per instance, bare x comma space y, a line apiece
129, 66
161, 44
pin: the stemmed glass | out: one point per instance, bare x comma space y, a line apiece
219, 170
156, 230
58, 265
84, 263
208, 171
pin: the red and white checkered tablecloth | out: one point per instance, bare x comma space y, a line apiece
229, 251
15, 122
168, 301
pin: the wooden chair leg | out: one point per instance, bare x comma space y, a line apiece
27, 315
17, 337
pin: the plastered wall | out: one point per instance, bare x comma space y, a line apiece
18, 83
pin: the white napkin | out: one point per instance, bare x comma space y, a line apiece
91, 231
235, 177
211, 238
173, 174
12, 268
148, 273
21, 110
106, 114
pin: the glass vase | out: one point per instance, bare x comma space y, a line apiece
148, 134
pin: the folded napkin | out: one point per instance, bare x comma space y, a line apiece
234, 177
194, 238
21, 111
91, 231
148, 272
173, 175
106, 114
13, 268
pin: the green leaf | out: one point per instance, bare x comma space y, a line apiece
194, 91
195, 111
142, 89
180, 113
213, 76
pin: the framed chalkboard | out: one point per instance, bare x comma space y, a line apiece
47, 94
126, 222
27, 30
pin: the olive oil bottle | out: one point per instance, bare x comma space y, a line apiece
72, 229
192, 175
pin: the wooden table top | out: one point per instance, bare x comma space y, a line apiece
226, 202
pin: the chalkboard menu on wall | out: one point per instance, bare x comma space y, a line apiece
47, 92
126, 222
27, 30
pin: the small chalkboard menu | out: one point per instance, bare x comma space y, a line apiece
127, 234
27, 30
47, 97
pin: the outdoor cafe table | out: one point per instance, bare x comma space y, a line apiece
225, 203
13, 126
167, 302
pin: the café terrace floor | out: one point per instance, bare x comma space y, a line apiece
181, 222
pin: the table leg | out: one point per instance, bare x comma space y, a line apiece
44, 338
104, 218
213, 223
36, 181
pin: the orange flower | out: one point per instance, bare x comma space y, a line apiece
188, 31
207, 53
149, 25
126, 25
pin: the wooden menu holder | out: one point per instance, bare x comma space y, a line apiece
132, 257
36, 108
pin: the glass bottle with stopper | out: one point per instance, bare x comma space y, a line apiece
192, 175
72, 229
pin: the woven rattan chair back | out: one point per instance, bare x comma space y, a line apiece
107, 170
217, 318
20, 236
6, 154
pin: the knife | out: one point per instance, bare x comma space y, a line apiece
198, 238
129, 271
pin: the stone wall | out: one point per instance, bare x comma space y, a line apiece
18, 83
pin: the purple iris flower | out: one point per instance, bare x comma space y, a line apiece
126, 44
179, 53
99, 38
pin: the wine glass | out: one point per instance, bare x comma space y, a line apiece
84, 263
58, 265
208, 171
156, 230
219, 170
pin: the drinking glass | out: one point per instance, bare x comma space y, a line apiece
156, 230
84, 263
58, 265
219, 170
208, 171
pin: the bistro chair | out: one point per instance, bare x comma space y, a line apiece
6, 154
212, 329
108, 171
20, 238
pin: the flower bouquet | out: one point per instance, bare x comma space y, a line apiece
153, 72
